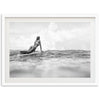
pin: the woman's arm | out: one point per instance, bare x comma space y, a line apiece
40, 46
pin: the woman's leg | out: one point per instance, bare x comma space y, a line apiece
23, 52
29, 51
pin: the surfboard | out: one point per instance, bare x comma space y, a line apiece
33, 53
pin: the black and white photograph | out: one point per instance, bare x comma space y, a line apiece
50, 48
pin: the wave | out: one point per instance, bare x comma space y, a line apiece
14, 54
51, 63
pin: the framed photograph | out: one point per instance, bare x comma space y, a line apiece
48, 50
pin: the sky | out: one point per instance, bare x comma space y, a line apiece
54, 35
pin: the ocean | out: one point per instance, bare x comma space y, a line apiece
50, 64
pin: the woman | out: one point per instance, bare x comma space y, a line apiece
33, 48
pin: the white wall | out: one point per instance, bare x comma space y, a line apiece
52, 6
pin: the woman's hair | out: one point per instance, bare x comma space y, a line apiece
38, 38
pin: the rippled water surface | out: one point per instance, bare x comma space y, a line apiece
51, 63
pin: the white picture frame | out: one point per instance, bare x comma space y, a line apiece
7, 81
